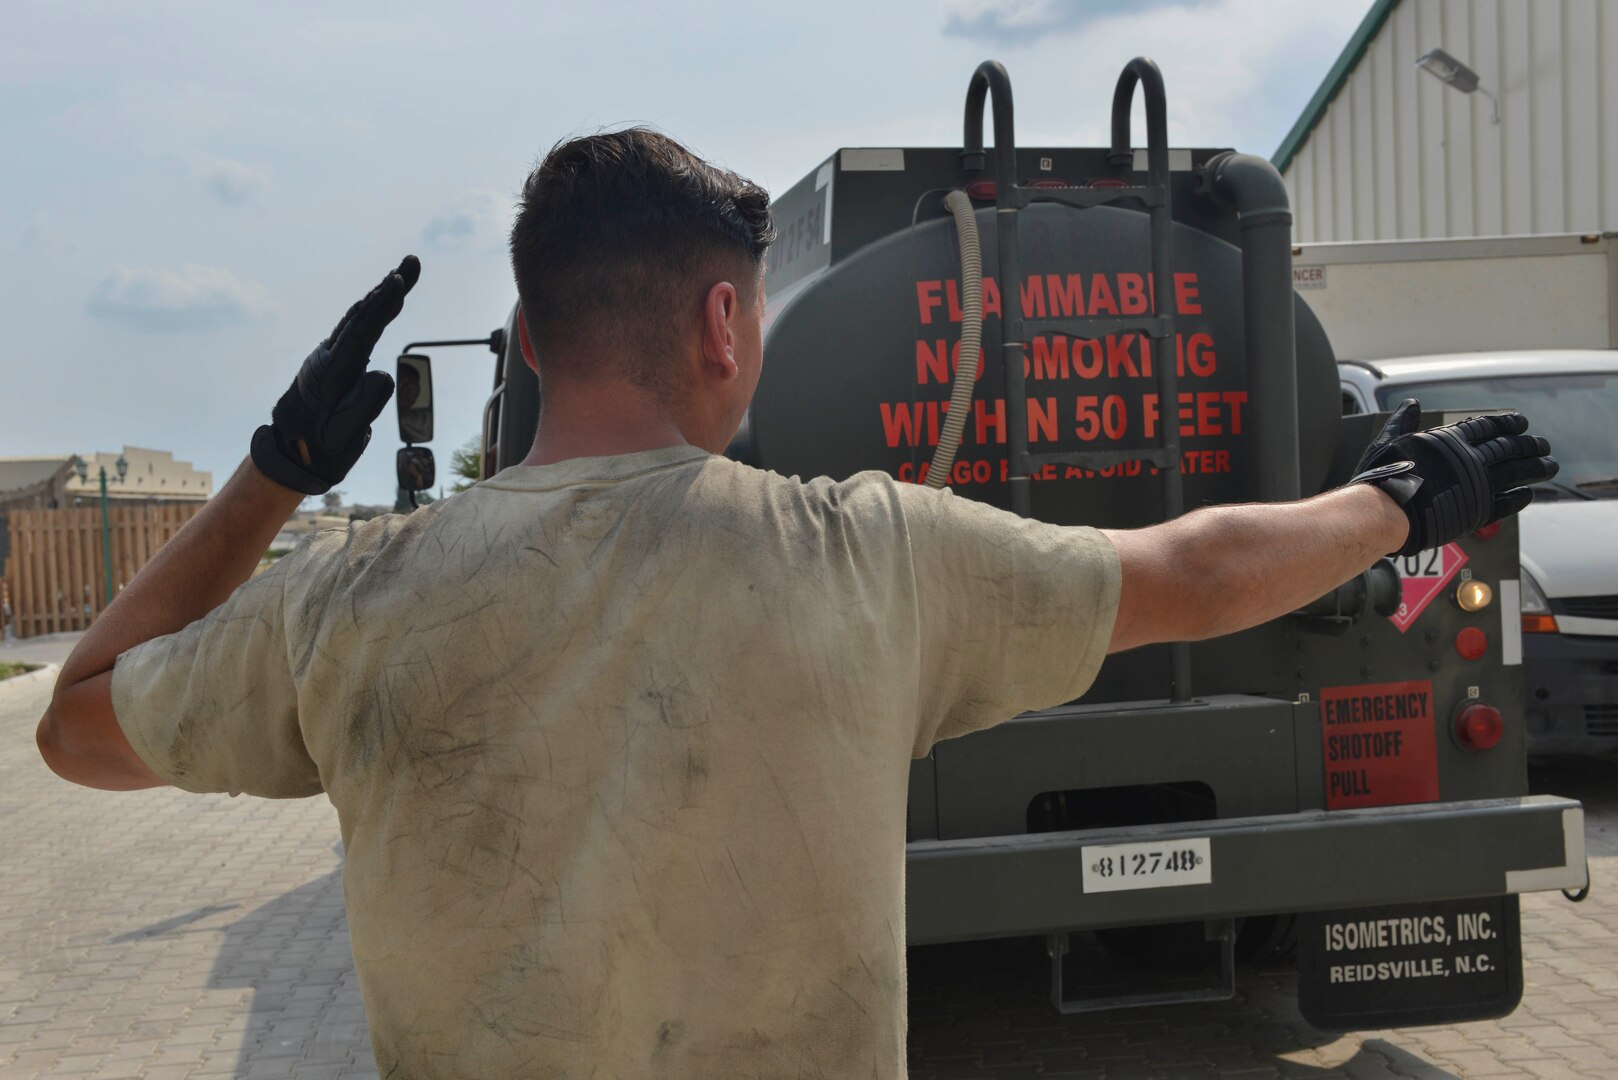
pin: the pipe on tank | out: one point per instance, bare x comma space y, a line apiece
1253, 188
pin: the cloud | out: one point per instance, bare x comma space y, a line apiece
233, 182
1017, 22
194, 297
477, 220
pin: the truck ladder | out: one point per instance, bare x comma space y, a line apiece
1158, 325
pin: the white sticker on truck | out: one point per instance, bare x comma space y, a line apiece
874, 159
825, 179
1574, 873
1155, 864
1179, 160
1511, 621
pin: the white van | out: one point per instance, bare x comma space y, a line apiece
1569, 535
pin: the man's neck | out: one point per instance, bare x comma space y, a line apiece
601, 419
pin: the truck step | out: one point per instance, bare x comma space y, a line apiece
1222, 931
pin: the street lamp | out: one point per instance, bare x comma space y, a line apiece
1451, 72
106, 526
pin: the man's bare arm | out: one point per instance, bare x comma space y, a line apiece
192, 574
1226, 568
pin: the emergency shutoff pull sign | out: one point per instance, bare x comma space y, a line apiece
1423, 576
1378, 744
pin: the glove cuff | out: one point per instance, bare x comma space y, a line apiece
272, 461
1397, 479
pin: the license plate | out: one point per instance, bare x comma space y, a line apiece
1156, 864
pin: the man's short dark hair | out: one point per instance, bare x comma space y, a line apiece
616, 241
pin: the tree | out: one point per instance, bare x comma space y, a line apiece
466, 464
332, 501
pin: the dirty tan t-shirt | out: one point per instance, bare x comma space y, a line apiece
620, 748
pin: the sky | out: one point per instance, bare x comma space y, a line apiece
192, 193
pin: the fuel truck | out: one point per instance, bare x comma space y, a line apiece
1107, 337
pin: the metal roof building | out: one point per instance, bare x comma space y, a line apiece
1386, 151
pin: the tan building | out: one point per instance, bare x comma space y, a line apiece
35, 483
149, 475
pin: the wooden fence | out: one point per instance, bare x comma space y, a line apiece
54, 577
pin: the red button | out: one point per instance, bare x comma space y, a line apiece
1479, 726
1471, 643
1488, 531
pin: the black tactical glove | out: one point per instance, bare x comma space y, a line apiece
1454, 479
321, 425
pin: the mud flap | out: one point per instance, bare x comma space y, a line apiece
1410, 964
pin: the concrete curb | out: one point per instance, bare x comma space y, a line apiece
45, 674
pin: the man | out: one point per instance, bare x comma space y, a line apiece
619, 738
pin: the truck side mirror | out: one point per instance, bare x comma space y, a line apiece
416, 468
413, 394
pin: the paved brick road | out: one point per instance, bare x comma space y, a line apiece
162, 935
158, 935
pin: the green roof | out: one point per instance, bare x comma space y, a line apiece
1335, 78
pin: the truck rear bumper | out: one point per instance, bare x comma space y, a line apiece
1007, 886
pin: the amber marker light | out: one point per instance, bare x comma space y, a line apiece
1473, 595
1537, 617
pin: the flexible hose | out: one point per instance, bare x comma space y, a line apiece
966, 372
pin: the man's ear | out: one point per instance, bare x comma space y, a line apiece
721, 307
524, 343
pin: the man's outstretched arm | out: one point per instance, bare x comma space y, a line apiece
1226, 568
317, 432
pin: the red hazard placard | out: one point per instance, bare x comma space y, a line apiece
1378, 745
1424, 576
